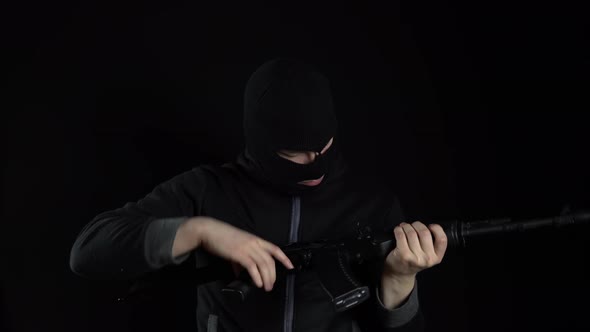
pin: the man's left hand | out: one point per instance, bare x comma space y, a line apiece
415, 250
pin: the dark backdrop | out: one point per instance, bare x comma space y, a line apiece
468, 110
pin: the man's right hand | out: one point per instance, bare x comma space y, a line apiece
254, 254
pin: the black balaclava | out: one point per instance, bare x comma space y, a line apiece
288, 105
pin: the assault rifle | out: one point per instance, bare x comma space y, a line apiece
345, 266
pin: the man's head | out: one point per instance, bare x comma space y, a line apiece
289, 123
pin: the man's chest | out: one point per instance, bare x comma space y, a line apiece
286, 219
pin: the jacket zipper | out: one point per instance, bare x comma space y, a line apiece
293, 237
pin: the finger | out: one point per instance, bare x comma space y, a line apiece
440, 240
425, 238
413, 241
269, 266
400, 239
250, 265
277, 253
263, 269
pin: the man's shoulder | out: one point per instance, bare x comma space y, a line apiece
227, 173
199, 179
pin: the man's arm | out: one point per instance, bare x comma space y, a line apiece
394, 304
141, 236
188, 238
395, 291
406, 317
398, 306
417, 247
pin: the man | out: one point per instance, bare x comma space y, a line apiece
290, 184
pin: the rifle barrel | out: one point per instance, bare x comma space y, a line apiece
457, 232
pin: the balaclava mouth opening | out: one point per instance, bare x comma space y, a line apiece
288, 105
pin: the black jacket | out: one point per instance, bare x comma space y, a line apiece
130, 241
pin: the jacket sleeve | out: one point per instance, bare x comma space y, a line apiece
137, 238
407, 317
373, 316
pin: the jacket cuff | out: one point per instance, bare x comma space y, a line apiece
400, 315
159, 239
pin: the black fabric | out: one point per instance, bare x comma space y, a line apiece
113, 245
288, 105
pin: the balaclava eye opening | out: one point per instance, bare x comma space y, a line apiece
288, 105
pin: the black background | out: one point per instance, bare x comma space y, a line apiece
468, 109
